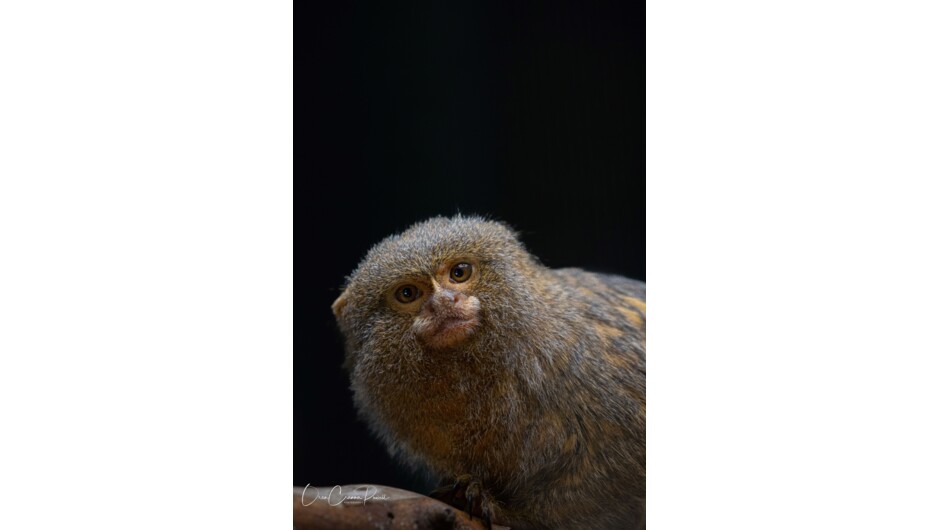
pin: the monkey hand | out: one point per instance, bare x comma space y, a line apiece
468, 494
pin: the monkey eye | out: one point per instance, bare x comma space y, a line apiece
407, 294
461, 272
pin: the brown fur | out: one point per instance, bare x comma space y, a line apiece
543, 402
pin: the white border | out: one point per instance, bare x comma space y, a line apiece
793, 224
146, 264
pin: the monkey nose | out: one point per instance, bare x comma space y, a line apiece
447, 298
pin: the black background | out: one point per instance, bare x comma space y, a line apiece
530, 112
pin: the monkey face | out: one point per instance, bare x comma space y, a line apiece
443, 284
440, 309
443, 305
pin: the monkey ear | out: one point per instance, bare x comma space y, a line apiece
339, 305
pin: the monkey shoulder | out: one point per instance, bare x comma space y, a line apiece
594, 287
609, 311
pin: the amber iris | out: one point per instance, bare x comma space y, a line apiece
461, 272
407, 294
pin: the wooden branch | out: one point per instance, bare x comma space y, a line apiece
370, 506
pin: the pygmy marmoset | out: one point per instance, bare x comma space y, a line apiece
523, 386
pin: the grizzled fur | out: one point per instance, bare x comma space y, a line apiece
544, 404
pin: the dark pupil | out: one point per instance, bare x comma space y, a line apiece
406, 292
458, 271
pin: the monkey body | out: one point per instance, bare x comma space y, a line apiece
531, 380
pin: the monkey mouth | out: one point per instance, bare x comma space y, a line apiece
449, 331
455, 325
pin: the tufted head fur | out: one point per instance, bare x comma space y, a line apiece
499, 289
